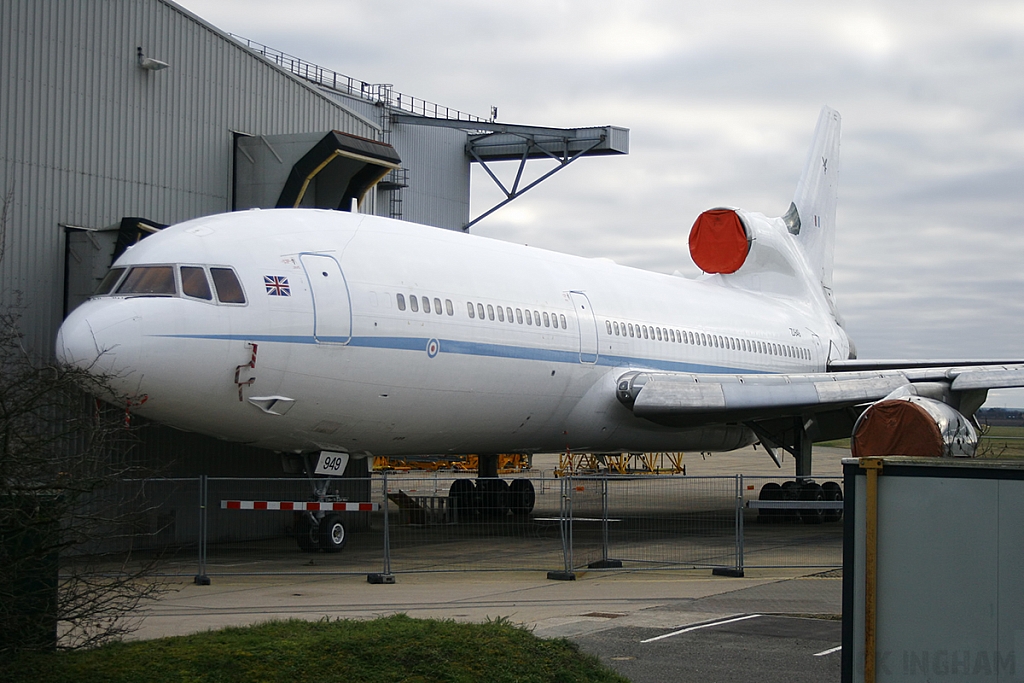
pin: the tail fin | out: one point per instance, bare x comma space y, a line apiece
812, 215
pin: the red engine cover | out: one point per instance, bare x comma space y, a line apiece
718, 241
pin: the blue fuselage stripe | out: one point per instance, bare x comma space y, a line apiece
468, 348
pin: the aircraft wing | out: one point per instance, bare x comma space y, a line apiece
680, 399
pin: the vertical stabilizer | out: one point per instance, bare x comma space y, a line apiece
812, 216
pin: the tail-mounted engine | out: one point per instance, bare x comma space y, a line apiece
914, 426
719, 241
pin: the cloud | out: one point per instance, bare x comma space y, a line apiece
721, 99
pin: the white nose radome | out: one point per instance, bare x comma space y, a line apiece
101, 336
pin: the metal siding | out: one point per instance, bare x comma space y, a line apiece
438, 192
89, 137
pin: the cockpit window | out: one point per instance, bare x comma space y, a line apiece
109, 281
149, 280
194, 283
229, 290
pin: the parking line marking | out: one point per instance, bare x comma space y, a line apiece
700, 626
837, 648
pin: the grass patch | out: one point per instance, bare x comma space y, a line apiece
1002, 442
396, 648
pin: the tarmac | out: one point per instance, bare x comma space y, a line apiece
610, 614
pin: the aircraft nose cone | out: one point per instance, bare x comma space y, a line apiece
101, 336
76, 342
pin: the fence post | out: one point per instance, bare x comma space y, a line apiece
737, 570
604, 562
201, 579
565, 529
386, 576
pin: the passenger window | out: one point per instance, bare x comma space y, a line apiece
508, 314
113, 275
671, 335
229, 290
472, 311
490, 312
400, 298
519, 316
426, 304
561, 319
480, 311
448, 307
608, 324
194, 283
529, 319
615, 326
501, 314
547, 319
149, 280
536, 317
414, 303
437, 305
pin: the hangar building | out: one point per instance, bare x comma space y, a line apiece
120, 117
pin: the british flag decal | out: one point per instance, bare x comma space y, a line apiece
276, 285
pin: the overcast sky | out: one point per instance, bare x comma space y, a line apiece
721, 101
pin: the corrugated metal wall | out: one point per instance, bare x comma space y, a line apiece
438, 175
87, 136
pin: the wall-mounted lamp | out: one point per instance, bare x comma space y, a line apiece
149, 63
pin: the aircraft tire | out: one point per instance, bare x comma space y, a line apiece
332, 534
790, 491
812, 492
770, 491
307, 534
523, 497
833, 492
494, 497
462, 500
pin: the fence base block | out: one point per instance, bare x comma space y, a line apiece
727, 571
380, 578
605, 564
201, 580
562, 576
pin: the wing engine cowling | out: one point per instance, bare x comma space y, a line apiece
905, 424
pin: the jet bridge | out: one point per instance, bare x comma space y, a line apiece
491, 141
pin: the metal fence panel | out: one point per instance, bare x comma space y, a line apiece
450, 522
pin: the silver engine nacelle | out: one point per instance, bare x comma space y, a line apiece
906, 424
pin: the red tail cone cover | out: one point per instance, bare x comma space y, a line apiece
718, 241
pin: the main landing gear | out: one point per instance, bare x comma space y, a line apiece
796, 492
490, 497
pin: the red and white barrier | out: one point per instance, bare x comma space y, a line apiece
297, 506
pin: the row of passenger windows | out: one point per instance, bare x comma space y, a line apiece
161, 281
414, 304
702, 339
521, 315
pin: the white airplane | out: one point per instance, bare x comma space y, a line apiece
315, 331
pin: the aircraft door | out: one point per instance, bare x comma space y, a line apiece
332, 309
587, 325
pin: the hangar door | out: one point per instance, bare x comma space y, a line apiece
332, 309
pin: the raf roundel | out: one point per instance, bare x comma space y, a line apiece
433, 346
